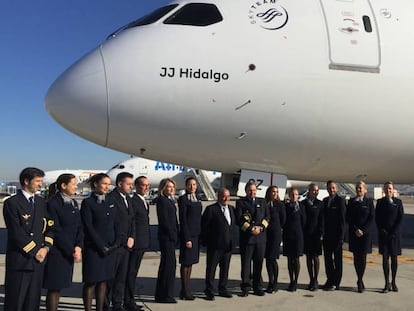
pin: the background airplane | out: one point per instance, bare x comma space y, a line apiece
269, 90
81, 175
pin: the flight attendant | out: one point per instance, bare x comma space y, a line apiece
277, 218
360, 217
333, 237
189, 209
293, 236
102, 238
389, 215
29, 239
313, 232
167, 237
67, 250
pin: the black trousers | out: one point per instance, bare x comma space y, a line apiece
166, 271
248, 253
135, 258
333, 265
23, 289
117, 285
217, 257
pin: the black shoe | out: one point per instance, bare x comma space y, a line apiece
225, 294
209, 295
244, 293
292, 287
166, 300
361, 287
329, 288
386, 288
394, 287
271, 288
258, 292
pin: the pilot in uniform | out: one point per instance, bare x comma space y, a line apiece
334, 230
30, 236
253, 216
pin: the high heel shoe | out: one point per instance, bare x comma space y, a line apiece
361, 287
386, 288
394, 287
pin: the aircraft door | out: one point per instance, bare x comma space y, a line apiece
143, 169
352, 35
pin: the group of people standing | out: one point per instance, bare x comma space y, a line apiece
110, 234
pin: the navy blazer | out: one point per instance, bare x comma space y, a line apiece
126, 215
167, 220
216, 232
334, 221
190, 217
28, 230
68, 225
389, 216
142, 226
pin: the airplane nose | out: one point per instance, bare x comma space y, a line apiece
78, 99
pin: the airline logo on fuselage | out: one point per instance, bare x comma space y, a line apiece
268, 14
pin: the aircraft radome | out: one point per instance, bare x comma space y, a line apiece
307, 90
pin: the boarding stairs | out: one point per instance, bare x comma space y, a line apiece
346, 190
204, 183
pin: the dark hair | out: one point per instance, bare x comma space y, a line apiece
138, 179
188, 179
122, 176
269, 193
63, 179
96, 178
248, 184
293, 189
29, 173
330, 182
51, 190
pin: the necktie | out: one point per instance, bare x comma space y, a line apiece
31, 201
226, 213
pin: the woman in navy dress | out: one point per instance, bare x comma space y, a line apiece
167, 237
389, 215
102, 238
293, 236
68, 243
360, 217
313, 232
274, 235
189, 210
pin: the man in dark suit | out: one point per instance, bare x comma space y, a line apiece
217, 223
120, 195
334, 209
29, 239
253, 217
142, 240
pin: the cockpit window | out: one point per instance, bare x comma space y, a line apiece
195, 14
147, 19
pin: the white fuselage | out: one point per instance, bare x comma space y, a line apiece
319, 98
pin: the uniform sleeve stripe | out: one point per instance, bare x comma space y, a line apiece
44, 225
29, 246
265, 223
49, 240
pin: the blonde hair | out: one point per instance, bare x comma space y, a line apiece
361, 183
163, 185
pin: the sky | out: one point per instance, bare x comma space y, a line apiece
39, 40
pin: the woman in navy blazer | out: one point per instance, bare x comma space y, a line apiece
167, 237
360, 216
68, 244
102, 237
189, 210
388, 217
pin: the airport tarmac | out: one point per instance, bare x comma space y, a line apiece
347, 298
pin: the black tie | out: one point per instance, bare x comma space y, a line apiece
31, 201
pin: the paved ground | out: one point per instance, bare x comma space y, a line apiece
345, 299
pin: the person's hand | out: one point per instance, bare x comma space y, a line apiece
77, 254
359, 233
189, 244
41, 254
130, 243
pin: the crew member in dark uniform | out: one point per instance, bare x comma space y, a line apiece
277, 220
142, 239
293, 236
333, 237
29, 239
217, 225
253, 216
167, 237
389, 215
360, 217
189, 210
313, 234
121, 196
102, 238
67, 250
